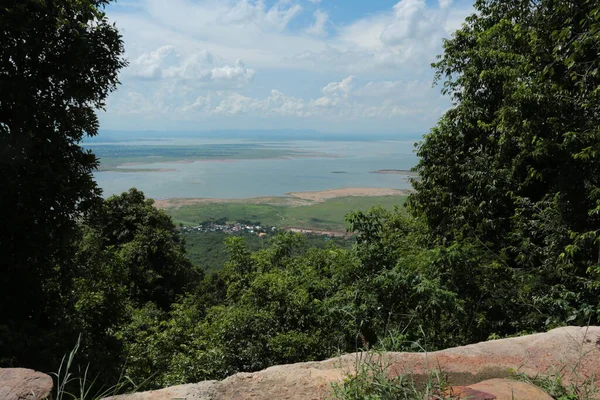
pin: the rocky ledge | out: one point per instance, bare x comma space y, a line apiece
477, 371
478, 368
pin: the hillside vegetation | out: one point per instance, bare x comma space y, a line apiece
501, 237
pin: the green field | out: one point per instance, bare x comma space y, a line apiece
327, 215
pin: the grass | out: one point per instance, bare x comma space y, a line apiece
554, 384
328, 215
370, 381
80, 386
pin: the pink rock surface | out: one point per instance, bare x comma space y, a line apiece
498, 389
574, 350
24, 384
505, 389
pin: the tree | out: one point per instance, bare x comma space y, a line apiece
151, 249
514, 165
59, 60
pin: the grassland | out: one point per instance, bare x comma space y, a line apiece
327, 215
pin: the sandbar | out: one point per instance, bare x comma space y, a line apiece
292, 199
405, 172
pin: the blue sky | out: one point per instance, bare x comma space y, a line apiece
330, 65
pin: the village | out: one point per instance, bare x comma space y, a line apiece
256, 228
235, 228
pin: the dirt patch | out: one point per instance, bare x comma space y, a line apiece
323, 195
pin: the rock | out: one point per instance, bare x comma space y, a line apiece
575, 350
465, 392
540, 354
505, 389
499, 389
24, 384
195, 391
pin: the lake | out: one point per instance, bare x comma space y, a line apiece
339, 164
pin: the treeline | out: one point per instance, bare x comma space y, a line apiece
501, 237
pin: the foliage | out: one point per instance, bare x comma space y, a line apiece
207, 250
58, 62
271, 312
371, 381
513, 166
145, 239
554, 384
85, 385
277, 306
130, 257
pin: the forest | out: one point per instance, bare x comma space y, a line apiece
501, 236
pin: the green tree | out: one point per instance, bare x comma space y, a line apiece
130, 264
59, 60
149, 246
514, 166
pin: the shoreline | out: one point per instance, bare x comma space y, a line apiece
293, 199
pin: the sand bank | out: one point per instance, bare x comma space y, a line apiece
291, 199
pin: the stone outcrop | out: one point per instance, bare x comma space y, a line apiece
575, 351
24, 384
499, 389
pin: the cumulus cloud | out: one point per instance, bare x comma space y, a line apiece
150, 65
344, 98
239, 72
339, 89
201, 67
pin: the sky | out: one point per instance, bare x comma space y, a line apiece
336, 66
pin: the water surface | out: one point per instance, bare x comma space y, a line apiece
353, 163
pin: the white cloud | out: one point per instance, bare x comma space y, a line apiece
445, 3
404, 40
237, 72
319, 26
342, 97
150, 65
256, 12
186, 61
410, 21
199, 67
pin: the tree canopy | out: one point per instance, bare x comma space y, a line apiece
514, 165
59, 59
